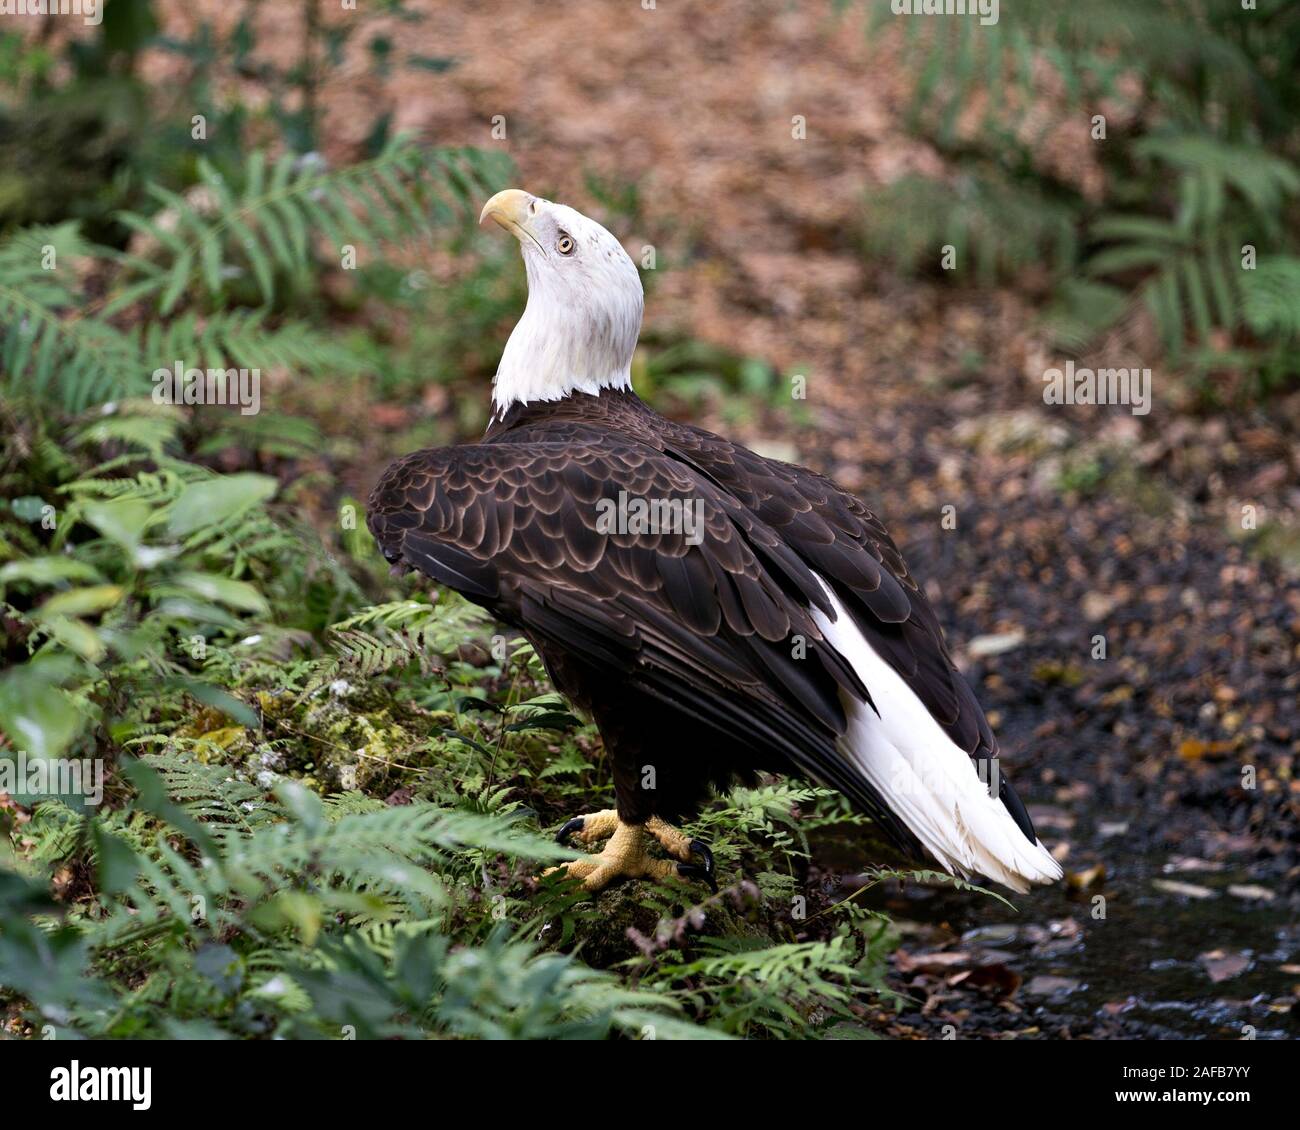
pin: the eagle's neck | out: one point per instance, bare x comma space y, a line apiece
576, 340
611, 410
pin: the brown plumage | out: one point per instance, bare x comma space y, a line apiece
681, 653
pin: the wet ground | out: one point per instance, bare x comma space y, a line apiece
1057, 969
1161, 775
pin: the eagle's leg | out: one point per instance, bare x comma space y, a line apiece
626, 855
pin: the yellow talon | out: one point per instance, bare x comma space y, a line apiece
626, 855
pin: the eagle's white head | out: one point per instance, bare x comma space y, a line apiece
583, 316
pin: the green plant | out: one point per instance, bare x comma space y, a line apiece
62, 342
247, 940
1189, 115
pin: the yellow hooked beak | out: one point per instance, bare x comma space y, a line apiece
513, 209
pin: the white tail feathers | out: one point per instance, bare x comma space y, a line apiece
924, 777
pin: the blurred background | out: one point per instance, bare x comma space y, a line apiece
919, 216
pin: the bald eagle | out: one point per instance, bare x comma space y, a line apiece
716, 613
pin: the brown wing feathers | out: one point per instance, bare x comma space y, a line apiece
500, 522
714, 628
793, 514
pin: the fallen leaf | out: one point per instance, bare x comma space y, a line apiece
1179, 863
1193, 749
1221, 965
1187, 890
994, 975
1250, 891
994, 644
1098, 605
1049, 986
390, 415
933, 962
1088, 877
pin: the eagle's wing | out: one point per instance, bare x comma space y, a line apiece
709, 627
834, 533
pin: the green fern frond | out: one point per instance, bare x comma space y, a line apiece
213, 794
270, 222
993, 225
42, 346
1270, 303
242, 339
389, 636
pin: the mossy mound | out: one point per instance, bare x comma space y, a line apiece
635, 920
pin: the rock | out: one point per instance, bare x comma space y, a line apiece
996, 935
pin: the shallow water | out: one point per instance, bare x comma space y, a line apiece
1136, 971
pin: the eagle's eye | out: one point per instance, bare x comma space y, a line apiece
565, 245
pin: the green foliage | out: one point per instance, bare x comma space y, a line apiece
453, 333
994, 225
1198, 165
400, 632
270, 222
43, 343
1270, 310
793, 988
81, 134
251, 241
244, 939
325, 817
684, 374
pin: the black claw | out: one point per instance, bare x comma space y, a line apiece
574, 825
691, 871
704, 869
700, 848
